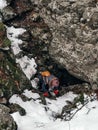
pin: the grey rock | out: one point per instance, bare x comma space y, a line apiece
91, 16
41, 34
0, 17
25, 36
6, 120
21, 6
9, 1
74, 28
3, 100
4, 109
35, 17
17, 108
1, 93
8, 13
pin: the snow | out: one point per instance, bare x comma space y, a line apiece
57, 105
3, 4
38, 118
29, 94
13, 34
87, 118
27, 65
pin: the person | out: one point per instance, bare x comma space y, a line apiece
48, 83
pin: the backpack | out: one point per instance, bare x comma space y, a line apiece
45, 73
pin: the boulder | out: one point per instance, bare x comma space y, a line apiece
65, 31
37, 38
15, 8
9, 2
74, 29
4, 109
6, 120
3, 100
8, 13
16, 108
21, 6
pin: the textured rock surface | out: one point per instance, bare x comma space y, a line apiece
17, 108
8, 1
8, 13
6, 121
74, 27
12, 79
37, 38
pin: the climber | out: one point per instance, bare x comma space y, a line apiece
48, 83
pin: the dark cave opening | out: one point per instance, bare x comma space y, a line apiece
66, 79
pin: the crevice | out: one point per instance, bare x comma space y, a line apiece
19, 17
66, 79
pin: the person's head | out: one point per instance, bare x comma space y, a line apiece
41, 69
55, 82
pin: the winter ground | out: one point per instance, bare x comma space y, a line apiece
39, 116
3, 3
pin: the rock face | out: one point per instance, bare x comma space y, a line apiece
12, 79
66, 31
8, 13
6, 121
74, 28
37, 38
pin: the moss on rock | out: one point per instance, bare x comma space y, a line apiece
2, 28
12, 79
6, 42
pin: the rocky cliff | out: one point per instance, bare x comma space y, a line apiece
74, 28
61, 35
66, 31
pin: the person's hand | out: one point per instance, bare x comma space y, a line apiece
36, 80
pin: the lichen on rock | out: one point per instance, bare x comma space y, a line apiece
12, 79
74, 29
6, 120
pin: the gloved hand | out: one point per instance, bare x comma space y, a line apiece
56, 92
46, 94
36, 80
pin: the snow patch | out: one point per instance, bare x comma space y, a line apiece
38, 118
57, 105
29, 94
12, 34
3, 4
27, 65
